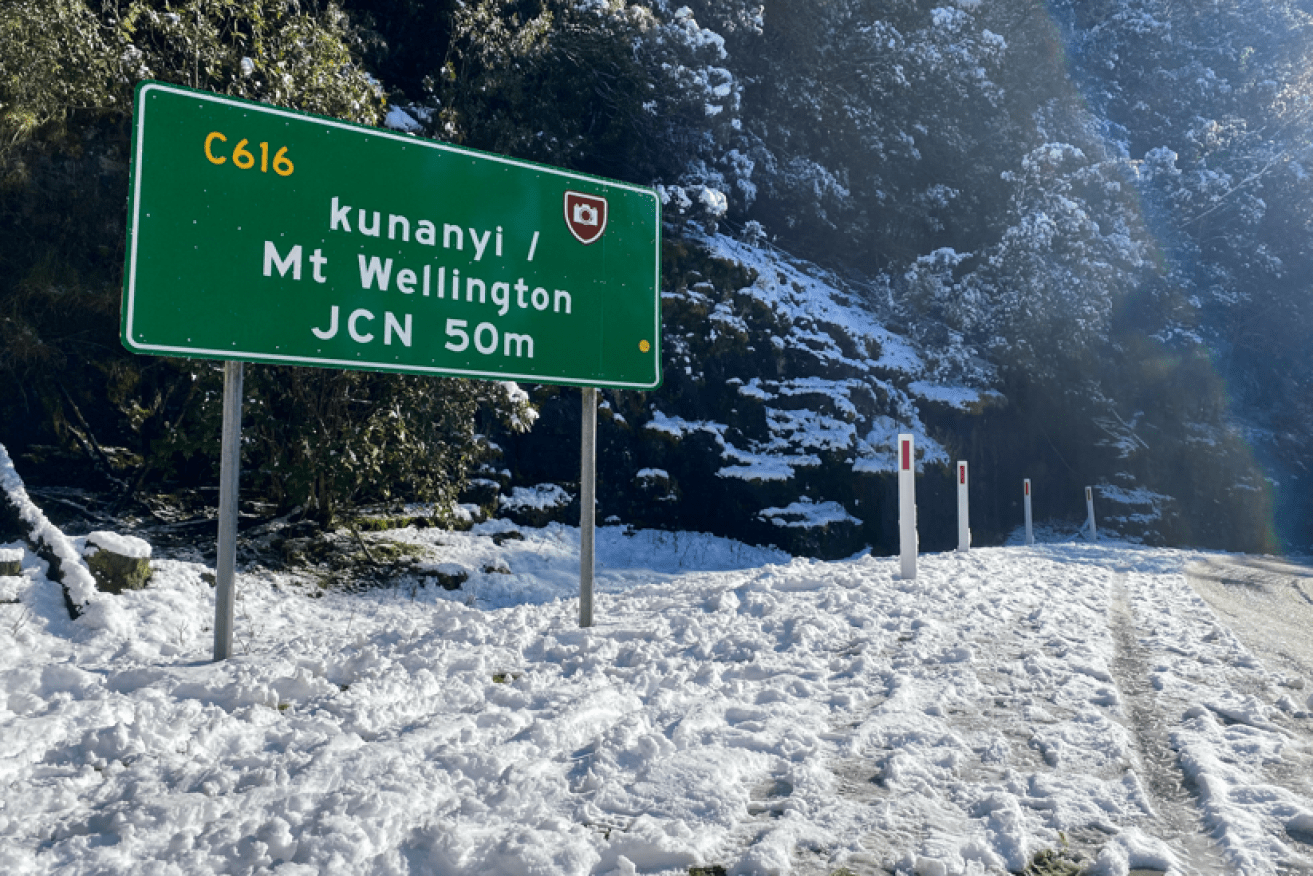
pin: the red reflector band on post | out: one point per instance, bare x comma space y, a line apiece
962, 474
907, 455
1027, 488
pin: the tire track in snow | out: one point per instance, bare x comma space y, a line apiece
1267, 604
1179, 818
923, 715
859, 775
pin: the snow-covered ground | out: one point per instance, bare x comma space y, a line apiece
733, 708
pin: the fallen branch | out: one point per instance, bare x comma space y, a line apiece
364, 547
89, 442
46, 540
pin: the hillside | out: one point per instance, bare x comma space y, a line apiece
784, 394
1059, 240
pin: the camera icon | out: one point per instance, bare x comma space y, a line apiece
585, 214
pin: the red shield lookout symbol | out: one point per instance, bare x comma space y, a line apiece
585, 216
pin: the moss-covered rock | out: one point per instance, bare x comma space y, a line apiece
11, 561
117, 562
449, 576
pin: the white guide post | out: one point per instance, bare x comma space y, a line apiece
963, 511
587, 505
1089, 507
230, 461
907, 506
1030, 530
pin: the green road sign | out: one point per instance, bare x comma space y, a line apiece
261, 234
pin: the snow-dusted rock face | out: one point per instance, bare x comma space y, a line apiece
786, 388
783, 396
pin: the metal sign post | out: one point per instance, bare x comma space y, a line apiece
963, 510
1089, 507
906, 507
587, 505
1030, 530
230, 463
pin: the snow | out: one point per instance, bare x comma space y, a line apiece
949, 19
761, 467
78, 582
860, 387
1124, 496
753, 389
715, 202
399, 120
116, 543
880, 448
803, 297
961, 397
540, 497
524, 415
806, 514
678, 427
810, 430
732, 707
776, 463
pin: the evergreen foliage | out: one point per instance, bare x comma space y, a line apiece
1098, 210
315, 439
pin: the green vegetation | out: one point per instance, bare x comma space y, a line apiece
314, 440
1054, 862
1116, 257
